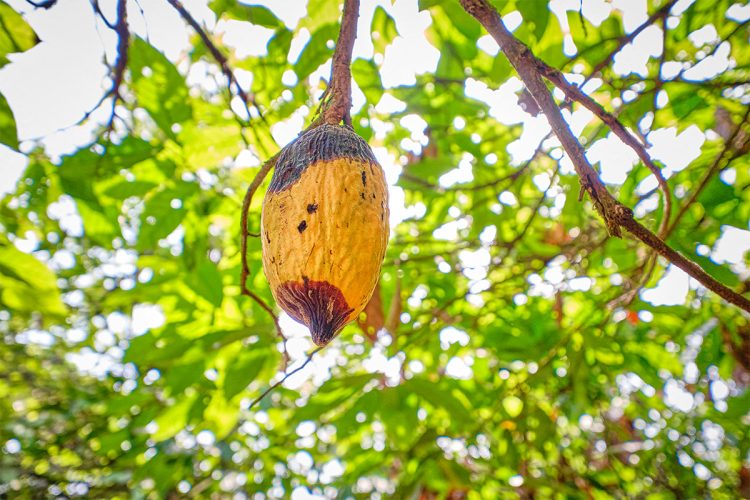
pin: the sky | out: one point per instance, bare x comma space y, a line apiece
51, 86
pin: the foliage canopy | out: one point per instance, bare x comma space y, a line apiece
512, 348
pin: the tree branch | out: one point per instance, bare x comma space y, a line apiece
98, 12
615, 214
245, 273
218, 57
575, 93
123, 40
46, 4
662, 13
285, 377
337, 108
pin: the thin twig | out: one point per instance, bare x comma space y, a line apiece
616, 216
641, 277
121, 63
218, 57
284, 378
662, 13
46, 4
98, 12
534, 211
254, 185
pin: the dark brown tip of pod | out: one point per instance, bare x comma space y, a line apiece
317, 304
322, 143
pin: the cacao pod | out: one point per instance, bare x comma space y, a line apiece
324, 228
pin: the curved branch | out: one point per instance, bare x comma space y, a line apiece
616, 216
46, 4
254, 185
245, 273
574, 93
98, 12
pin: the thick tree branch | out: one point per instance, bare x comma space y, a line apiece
615, 214
338, 105
218, 57
575, 93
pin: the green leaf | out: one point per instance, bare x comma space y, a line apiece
383, 29
174, 418
8, 134
207, 283
126, 189
153, 230
15, 33
536, 13
427, 4
440, 397
255, 14
164, 211
243, 370
26, 284
316, 52
158, 86
321, 13
513, 406
367, 76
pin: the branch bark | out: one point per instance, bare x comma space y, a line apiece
616, 215
338, 105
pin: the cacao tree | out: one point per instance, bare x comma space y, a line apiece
563, 309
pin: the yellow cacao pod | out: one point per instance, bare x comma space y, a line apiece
325, 229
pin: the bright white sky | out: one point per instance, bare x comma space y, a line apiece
51, 87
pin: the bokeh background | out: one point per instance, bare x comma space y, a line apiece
512, 348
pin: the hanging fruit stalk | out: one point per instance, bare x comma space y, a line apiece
325, 228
